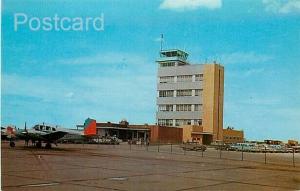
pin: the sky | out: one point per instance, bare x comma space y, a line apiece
64, 77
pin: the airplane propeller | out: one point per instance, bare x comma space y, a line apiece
26, 134
25, 129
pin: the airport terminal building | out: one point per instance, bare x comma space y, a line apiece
190, 94
189, 104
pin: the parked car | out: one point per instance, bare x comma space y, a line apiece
193, 146
108, 140
244, 147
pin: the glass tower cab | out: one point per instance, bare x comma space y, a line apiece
173, 57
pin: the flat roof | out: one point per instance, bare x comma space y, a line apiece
125, 128
201, 133
172, 50
172, 54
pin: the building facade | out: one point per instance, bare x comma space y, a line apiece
233, 136
125, 131
189, 94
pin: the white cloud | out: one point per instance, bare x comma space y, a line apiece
111, 96
180, 5
35, 86
244, 57
114, 90
290, 6
282, 6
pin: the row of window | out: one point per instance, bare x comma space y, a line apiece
180, 93
180, 78
165, 108
166, 93
167, 64
183, 93
184, 78
179, 122
197, 107
236, 138
198, 92
198, 77
171, 63
184, 107
180, 107
165, 122
166, 79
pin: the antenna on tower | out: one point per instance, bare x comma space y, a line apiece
161, 41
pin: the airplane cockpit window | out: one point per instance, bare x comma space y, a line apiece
53, 129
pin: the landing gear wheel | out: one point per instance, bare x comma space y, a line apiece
12, 144
48, 146
39, 145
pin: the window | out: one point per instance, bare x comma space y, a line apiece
198, 92
184, 93
166, 79
183, 107
53, 129
181, 63
167, 64
197, 107
171, 54
179, 122
184, 78
198, 77
198, 121
166, 93
47, 128
165, 108
165, 122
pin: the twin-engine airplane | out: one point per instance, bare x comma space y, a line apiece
41, 133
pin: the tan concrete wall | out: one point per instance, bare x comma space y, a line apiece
232, 136
187, 133
213, 95
221, 101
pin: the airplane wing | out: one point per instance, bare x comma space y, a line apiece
54, 135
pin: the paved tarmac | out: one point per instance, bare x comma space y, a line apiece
107, 167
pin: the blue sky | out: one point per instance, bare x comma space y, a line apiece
63, 77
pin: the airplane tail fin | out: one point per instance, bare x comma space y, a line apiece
10, 131
90, 127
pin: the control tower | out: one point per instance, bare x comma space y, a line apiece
189, 94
